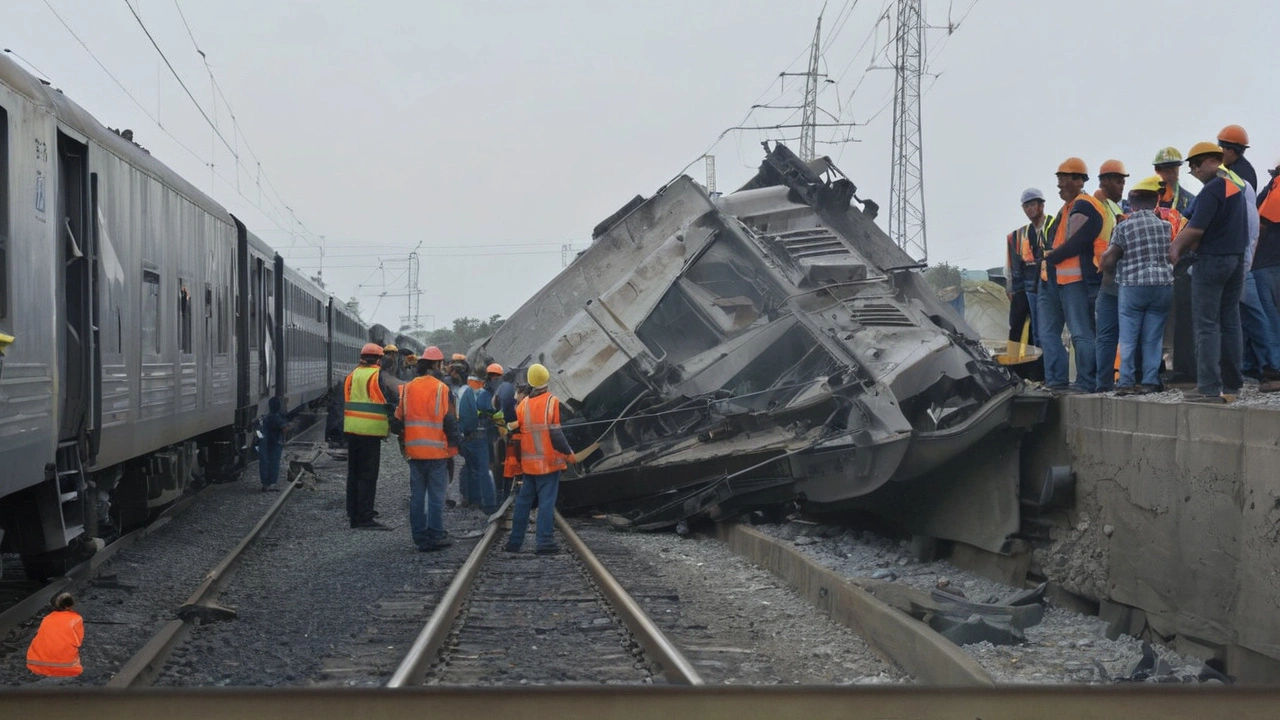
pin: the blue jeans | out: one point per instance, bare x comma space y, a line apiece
476, 478
269, 462
1067, 304
1049, 334
1262, 344
1143, 311
1217, 282
428, 480
546, 487
1267, 282
1107, 320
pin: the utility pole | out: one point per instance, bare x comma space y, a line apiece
808, 121
906, 202
414, 293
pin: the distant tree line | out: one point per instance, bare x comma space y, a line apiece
462, 335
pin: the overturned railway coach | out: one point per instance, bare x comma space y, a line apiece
764, 346
142, 328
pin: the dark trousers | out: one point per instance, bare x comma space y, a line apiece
269, 462
364, 453
1216, 285
1019, 314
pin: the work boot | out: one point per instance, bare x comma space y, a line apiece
1204, 399
370, 524
548, 550
510, 548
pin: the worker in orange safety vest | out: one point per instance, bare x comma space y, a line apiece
430, 431
55, 650
543, 455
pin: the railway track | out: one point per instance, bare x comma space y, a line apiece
528, 619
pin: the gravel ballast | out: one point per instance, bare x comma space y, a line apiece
1065, 647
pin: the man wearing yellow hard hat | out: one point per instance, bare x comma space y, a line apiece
1138, 258
1111, 179
543, 455
1218, 232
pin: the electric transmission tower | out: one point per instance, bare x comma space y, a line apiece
808, 121
413, 319
906, 202
711, 173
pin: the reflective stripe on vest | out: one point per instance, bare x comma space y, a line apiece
423, 405
55, 650
1101, 242
364, 410
538, 416
1068, 271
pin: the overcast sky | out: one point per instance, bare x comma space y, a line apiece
495, 132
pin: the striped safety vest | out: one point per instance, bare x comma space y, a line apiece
538, 416
1099, 243
1069, 270
424, 402
55, 650
365, 408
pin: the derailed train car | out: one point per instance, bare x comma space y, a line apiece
766, 346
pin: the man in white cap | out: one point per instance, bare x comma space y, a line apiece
1024, 248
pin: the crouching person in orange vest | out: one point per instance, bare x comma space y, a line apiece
55, 651
543, 452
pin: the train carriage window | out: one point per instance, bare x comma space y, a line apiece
150, 312
255, 297
222, 320
184, 316
4, 215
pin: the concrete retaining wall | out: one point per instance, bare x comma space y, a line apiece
1178, 515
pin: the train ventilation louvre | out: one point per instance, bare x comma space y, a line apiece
879, 315
811, 243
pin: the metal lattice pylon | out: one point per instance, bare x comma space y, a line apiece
906, 202
809, 120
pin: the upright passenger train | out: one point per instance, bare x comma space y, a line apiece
142, 329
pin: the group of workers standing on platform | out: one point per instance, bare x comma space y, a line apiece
450, 410
1112, 268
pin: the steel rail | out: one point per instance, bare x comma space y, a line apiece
660, 650
413, 669
76, 577
142, 669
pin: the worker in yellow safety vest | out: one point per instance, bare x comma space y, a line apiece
543, 455
1106, 313
365, 411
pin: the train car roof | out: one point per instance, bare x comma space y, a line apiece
80, 122
304, 282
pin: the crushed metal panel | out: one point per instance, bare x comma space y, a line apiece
769, 344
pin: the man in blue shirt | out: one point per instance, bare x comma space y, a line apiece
476, 481
1218, 231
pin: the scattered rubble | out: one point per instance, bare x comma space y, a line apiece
1009, 631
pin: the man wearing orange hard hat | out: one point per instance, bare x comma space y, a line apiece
1218, 232
369, 396
1070, 280
1234, 141
1106, 315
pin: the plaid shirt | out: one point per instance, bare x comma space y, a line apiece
1144, 238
